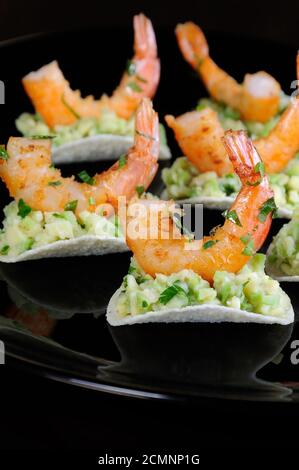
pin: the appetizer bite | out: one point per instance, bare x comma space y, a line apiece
205, 174
56, 216
86, 128
283, 253
219, 278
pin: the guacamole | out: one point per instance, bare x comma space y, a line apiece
250, 290
30, 125
25, 229
230, 118
184, 181
283, 255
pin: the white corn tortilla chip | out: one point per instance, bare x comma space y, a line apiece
208, 313
85, 245
221, 203
98, 147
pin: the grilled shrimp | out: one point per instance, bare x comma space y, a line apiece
257, 98
199, 133
28, 173
58, 104
228, 247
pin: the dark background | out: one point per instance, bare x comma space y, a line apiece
255, 18
37, 414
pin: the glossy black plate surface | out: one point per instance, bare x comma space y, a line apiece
53, 311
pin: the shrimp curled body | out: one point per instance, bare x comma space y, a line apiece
257, 99
28, 173
226, 247
58, 104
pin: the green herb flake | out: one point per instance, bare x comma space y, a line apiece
71, 206
122, 161
177, 220
131, 270
91, 201
134, 86
3, 153
144, 304
141, 79
131, 68
260, 168
170, 292
140, 190
209, 243
58, 216
86, 178
70, 108
249, 249
267, 208
4, 250
232, 216
54, 183
42, 137
24, 210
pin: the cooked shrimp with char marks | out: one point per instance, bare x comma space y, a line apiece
228, 247
28, 173
257, 98
58, 104
199, 134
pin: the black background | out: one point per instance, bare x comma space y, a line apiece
254, 18
37, 414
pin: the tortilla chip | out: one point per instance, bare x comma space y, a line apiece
98, 147
208, 313
85, 245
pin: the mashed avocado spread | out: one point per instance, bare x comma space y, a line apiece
30, 125
284, 250
26, 229
250, 289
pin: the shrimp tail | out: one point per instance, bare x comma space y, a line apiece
256, 194
147, 129
243, 155
144, 41
192, 42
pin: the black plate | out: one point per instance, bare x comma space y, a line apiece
52, 311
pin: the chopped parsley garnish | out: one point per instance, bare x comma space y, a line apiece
144, 304
130, 68
260, 168
249, 248
122, 161
141, 79
4, 250
58, 216
146, 136
267, 208
86, 178
134, 86
3, 153
91, 201
71, 206
131, 269
209, 243
70, 108
54, 183
42, 137
140, 190
23, 209
171, 292
232, 216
